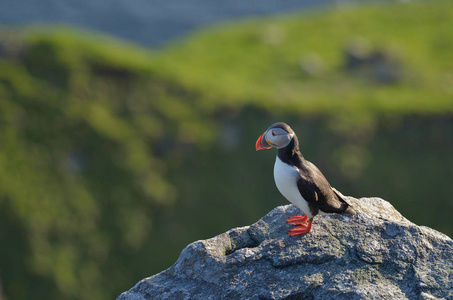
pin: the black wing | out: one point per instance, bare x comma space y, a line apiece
315, 189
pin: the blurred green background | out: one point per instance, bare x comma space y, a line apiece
114, 157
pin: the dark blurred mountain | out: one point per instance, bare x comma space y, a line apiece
146, 22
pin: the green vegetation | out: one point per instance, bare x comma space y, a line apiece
113, 157
79, 180
262, 61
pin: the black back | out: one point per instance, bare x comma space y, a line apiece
312, 185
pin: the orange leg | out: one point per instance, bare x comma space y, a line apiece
301, 229
297, 220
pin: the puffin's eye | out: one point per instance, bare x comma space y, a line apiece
273, 134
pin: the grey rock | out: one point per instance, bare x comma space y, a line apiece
377, 254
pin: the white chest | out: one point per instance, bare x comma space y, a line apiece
286, 178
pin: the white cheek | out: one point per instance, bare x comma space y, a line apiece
284, 140
278, 141
270, 138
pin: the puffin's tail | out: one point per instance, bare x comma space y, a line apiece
342, 198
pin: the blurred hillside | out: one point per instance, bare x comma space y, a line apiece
113, 158
149, 23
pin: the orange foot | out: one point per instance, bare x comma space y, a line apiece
300, 228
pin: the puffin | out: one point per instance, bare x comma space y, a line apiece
299, 180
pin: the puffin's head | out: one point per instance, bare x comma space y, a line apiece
278, 135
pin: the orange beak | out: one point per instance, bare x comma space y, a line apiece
259, 144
